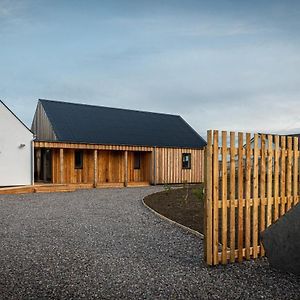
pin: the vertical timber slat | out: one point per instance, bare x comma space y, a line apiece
232, 196
95, 168
208, 200
216, 197
289, 172
125, 168
240, 197
247, 196
61, 164
295, 173
224, 197
276, 177
269, 180
255, 198
262, 188
282, 177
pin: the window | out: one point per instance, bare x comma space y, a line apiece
78, 159
137, 160
186, 160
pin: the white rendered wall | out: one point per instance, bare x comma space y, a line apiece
15, 160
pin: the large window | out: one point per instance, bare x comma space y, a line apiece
186, 160
78, 159
137, 160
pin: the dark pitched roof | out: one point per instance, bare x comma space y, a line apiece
82, 123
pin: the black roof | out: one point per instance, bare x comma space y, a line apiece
81, 123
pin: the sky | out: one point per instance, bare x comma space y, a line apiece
227, 65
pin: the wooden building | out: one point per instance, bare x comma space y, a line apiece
101, 146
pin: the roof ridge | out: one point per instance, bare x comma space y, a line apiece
116, 108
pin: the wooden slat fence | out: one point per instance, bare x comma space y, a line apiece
249, 184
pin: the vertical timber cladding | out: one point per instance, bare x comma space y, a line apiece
249, 184
158, 165
70, 174
169, 166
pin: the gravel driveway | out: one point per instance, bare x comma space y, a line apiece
105, 244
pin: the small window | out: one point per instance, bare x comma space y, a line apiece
137, 160
186, 160
78, 159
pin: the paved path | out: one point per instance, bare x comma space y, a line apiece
105, 244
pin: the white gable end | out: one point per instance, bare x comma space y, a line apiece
15, 150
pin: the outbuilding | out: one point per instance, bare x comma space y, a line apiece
16, 150
102, 146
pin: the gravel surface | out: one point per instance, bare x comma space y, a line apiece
104, 244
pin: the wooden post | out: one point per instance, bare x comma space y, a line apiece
224, 197
295, 172
216, 197
208, 201
44, 165
289, 173
38, 163
126, 168
269, 180
232, 196
276, 177
262, 190
282, 176
255, 197
240, 197
61, 164
247, 196
95, 168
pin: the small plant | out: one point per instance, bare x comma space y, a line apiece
167, 188
186, 189
200, 193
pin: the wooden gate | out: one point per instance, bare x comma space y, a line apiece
249, 185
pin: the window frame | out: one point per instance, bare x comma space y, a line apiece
189, 161
78, 166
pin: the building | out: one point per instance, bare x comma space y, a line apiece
16, 150
102, 146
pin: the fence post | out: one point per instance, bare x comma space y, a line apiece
232, 196
224, 197
240, 197
247, 196
216, 198
208, 200
295, 175
255, 197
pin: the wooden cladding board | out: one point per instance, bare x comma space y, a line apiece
110, 167
57, 145
158, 165
248, 187
142, 174
70, 174
169, 166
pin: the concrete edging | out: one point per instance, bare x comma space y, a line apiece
190, 230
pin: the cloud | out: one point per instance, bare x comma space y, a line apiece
221, 69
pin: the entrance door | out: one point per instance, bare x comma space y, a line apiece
43, 165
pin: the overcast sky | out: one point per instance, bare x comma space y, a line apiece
228, 65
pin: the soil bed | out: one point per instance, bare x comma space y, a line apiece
180, 205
